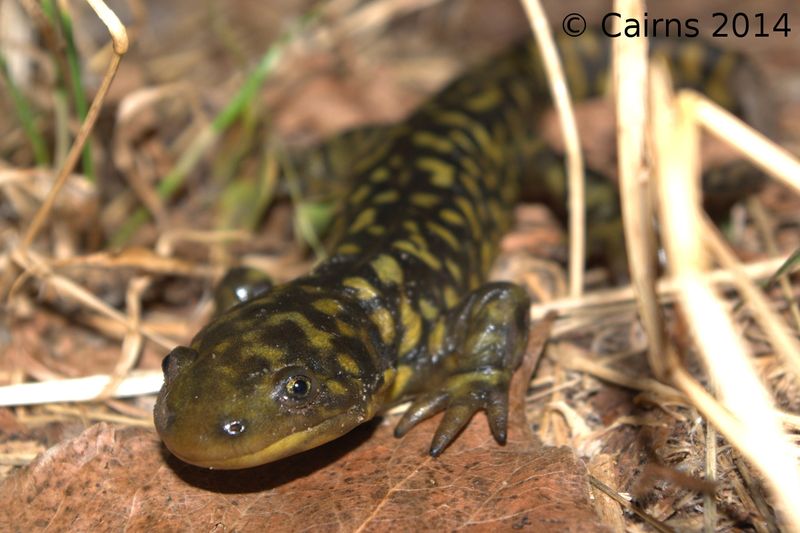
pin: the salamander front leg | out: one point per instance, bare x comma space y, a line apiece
489, 332
240, 284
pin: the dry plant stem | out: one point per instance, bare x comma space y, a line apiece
571, 358
785, 345
614, 495
630, 81
752, 144
756, 493
666, 288
569, 128
120, 40
137, 383
133, 342
766, 227
709, 501
35, 265
374, 16
750, 421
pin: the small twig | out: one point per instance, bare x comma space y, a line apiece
137, 383
638, 511
750, 143
709, 499
572, 144
630, 82
120, 40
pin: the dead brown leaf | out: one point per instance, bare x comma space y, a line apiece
114, 479
366, 481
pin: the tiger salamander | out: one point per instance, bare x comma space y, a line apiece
401, 309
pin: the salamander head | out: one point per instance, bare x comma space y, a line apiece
268, 379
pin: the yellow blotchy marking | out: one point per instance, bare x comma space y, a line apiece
445, 234
336, 387
376, 230
484, 101
348, 364
387, 269
554, 179
360, 194
468, 211
470, 166
691, 61
373, 157
451, 298
327, 305
428, 309
411, 226
424, 199
436, 337
426, 139
454, 270
497, 211
270, 353
487, 256
345, 328
412, 327
442, 173
318, 338
472, 187
521, 94
474, 280
364, 289
221, 347
383, 320
490, 179
717, 86
364, 219
462, 140
419, 241
420, 253
508, 192
575, 73
401, 378
379, 175
451, 217
453, 118
381, 398
386, 197
348, 248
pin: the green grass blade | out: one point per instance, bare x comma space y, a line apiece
80, 102
208, 137
26, 117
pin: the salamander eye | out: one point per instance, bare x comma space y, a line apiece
296, 387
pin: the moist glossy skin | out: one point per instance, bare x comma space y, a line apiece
401, 308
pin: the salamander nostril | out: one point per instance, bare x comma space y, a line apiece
234, 428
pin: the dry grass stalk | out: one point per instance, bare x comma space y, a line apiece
120, 40
35, 265
748, 418
136, 383
566, 116
630, 83
786, 346
665, 288
755, 146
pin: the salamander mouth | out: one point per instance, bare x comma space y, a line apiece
228, 458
